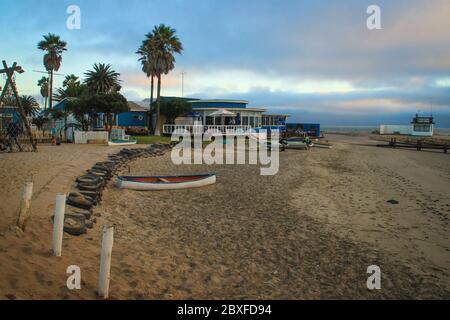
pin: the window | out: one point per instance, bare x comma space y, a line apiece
422, 128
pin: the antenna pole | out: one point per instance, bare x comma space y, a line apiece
183, 73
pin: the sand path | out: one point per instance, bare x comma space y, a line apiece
309, 232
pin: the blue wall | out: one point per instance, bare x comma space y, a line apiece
132, 119
11, 112
227, 105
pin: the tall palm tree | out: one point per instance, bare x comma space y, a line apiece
147, 52
43, 83
71, 80
54, 47
163, 43
102, 79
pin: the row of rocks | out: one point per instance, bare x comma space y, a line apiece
90, 186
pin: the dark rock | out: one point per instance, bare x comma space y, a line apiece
88, 187
89, 224
79, 201
89, 179
393, 202
73, 210
74, 224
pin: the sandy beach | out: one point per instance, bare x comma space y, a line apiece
309, 232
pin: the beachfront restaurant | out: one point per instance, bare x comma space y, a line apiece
226, 116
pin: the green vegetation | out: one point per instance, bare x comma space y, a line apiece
151, 139
102, 79
174, 108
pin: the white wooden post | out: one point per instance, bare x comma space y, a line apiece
105, 261
25, 203
58, 224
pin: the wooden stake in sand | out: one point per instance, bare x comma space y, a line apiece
105, 261
25, 203
58, 224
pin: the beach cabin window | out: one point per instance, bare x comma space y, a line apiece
421, 128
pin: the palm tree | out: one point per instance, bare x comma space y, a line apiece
103, 79
29, 106
71, 80
162, 44
147, 51
44, 85
54, 47
72, 91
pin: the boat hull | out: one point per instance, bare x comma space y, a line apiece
121, 143
165, 182
297, 145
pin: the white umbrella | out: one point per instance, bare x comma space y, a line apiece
222, 113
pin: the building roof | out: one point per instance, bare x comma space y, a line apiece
219, 101
137, 106
233, 109
423, 120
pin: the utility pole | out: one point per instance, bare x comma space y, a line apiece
183, 73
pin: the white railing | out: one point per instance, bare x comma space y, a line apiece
83, 137
119, 134
200, 129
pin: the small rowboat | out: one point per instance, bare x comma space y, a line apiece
166, 182
323, 146
121, 142
297, 145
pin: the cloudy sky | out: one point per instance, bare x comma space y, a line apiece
315, 60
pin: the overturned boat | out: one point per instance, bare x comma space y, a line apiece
166, 182
113, 143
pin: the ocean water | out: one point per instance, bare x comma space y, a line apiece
369, 129
349, 128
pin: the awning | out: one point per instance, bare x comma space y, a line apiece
222, 113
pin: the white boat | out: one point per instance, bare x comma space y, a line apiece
122, 142
166, 182
323, 146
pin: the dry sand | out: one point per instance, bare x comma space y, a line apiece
309, 232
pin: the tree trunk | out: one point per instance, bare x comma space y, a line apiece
51, 90
150, 113
158, 108
45, 102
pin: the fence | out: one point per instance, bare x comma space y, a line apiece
200, 129
84, 137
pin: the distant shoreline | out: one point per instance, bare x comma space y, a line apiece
367, 129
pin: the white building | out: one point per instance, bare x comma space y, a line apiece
420, 126
226, 115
